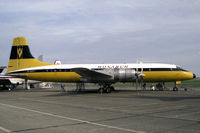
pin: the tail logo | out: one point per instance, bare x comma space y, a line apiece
19, 52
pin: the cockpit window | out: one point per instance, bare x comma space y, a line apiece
180, 69
183, 69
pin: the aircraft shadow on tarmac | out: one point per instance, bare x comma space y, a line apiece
88, 92
167, 98
73, 92
133, 95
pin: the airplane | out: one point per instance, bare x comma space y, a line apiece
2, 68
11, 82
22, 64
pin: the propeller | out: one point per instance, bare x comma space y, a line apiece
136, 74
139, 76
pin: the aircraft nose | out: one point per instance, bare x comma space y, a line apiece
194, 76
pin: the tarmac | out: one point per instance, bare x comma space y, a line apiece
123, 111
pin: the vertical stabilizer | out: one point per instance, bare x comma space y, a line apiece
2, 68
21, 57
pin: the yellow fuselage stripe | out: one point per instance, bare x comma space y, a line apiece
151, 76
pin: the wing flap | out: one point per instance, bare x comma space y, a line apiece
91, 74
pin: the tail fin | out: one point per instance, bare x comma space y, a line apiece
21, 56
2, 68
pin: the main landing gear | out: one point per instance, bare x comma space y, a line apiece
159, 87
106, 88
80, 86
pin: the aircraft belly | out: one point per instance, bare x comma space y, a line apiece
55, 76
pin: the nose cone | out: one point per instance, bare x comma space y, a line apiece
194, 76
187, 75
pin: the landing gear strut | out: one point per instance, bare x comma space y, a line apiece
26, 85
80, 86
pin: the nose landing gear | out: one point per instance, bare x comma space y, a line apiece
175, 88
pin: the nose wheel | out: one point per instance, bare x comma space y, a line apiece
175, 88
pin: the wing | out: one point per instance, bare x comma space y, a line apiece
91, 75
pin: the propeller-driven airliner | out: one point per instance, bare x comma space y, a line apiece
22, 64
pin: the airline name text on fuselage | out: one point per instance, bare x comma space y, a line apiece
114, 66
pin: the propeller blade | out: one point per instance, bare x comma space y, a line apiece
136, 83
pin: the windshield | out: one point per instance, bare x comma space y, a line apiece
180, 69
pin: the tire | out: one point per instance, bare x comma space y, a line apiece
112, 88
108, 89
101, 90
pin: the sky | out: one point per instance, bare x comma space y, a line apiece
105, 31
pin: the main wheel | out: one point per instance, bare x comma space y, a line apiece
112, 88
108, 89
100, 90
